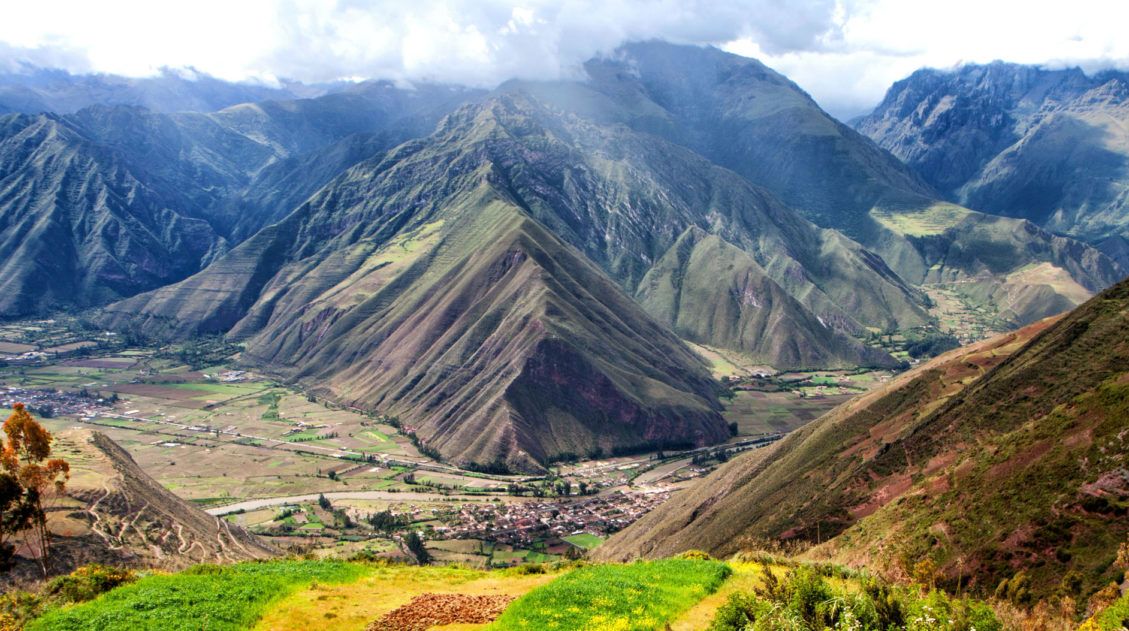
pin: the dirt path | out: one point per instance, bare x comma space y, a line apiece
266, 502
431, 610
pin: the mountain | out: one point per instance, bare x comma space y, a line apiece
244, 167
79, 227
113, 200
34, 90
1005, 456
713, 292
744, 116
418, 285
1050, 146
114, 513
398, 286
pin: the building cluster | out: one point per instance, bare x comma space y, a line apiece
521, 523
45, 402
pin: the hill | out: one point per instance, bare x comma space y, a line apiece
1046, 145
114, 513
1000, 458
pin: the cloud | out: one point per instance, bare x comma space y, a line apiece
845, 52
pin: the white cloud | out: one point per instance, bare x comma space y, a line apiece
881, 41
845, 52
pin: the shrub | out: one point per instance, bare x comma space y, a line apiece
804, 599
88, 582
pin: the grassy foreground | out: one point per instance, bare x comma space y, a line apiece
204, 596
760, 593
637, 596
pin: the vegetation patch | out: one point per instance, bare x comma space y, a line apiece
643, 595
585, 540
204, 596
805, 600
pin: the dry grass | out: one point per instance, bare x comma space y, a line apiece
355, 605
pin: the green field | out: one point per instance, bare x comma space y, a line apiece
585, 540
224, 389
637, 596
204, 597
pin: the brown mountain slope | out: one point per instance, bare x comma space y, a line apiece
113, 512
491, 339
1012, 455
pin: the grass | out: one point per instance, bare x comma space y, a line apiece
643, 595
352, 606
205, 596
226, 389
921, 222
1114, 618
585, 540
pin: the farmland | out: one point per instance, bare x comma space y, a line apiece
214, 597
639, 596
220, 435
688, 593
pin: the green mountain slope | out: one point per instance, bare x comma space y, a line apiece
713, 292
1003, 457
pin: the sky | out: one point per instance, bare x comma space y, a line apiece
846, 53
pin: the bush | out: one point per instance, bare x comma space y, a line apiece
87, 583
804, 600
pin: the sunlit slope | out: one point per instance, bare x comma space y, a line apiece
491, 339
991, 459
425, 283
114, 513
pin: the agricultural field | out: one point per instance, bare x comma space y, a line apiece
207, 596
638, 596
220, 435
352, 595
766, 412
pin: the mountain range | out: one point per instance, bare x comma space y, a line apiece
1049, 146
513, 272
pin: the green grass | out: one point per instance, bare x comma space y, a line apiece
226, 389
585, 540
623, 597
1114, 618
207, 596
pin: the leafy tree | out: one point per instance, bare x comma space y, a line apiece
324, 502
26, 457
15, 514
415, 545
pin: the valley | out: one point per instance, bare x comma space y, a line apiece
648, 340
308, 475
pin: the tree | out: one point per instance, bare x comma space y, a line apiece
324, 502
15, 514
415, 545
26, 457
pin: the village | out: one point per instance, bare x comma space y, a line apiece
521, 524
